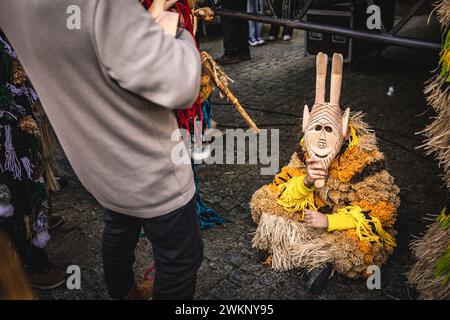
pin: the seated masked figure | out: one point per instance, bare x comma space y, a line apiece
334, 205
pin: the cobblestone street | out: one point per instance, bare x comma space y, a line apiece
280, 81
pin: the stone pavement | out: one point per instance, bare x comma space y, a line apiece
279, 79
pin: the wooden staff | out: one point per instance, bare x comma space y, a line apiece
221, 81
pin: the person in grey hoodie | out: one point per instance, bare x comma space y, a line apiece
109, 79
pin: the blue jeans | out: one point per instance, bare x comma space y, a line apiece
255, 28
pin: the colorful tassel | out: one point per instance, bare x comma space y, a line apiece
41, 239
27, 166
442, 267
353, 138
29, 125
7, 48
207, 217
6, 210
12, 164
207, 113
444, 60
19, 75
444, 219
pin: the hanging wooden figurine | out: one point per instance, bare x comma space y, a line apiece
333, 207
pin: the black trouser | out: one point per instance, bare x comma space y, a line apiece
177, 250
275, 30
235, 32
33, 258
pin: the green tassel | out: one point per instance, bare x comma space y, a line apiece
442, 267
444, 219
444, 59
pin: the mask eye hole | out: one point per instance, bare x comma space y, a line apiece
318, 127
328, 129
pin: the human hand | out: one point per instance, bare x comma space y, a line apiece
159, 6
316, 219
314, 171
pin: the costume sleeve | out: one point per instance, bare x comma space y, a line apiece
293, 195
367, 227
338, 222
141, 58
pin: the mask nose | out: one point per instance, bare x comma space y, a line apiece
322, 143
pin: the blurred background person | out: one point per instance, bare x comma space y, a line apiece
235, 35
255, 28
275, 30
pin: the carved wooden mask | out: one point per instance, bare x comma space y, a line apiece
325, 127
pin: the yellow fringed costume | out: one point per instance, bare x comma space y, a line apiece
360, 199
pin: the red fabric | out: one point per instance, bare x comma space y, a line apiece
186, 117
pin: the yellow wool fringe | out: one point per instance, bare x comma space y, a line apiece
353, 139
364, 229
287, 200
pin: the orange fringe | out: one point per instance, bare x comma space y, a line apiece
382, 210
318, 200
351, 162
365, 247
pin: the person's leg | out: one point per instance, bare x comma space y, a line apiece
178, 252
251, 24
242, 32
259, 25
288, 32
230, 44
275, 30
120, 236
229, 29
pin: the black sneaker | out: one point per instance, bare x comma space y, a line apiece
226, 59
317, 278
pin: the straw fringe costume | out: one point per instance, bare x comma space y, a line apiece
360, 198
431, 272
